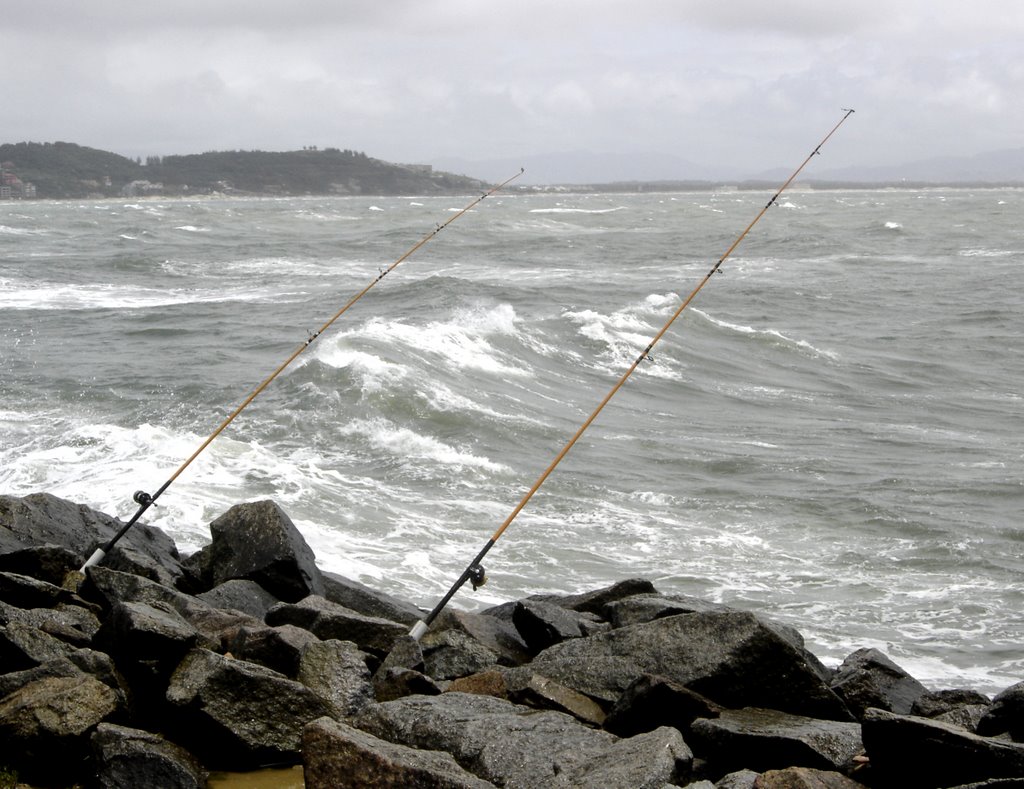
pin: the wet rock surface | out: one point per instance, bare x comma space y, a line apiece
150, 670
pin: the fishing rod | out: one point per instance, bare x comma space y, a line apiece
474, 572
145, 500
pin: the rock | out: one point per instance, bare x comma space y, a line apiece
741, 779
241, 595
595, 602
453, 653
497, 635
646, 761
369, 602
279, 648
730, 657
544, 624
237, 715
906, 750
327, 620
760, 739
648, 607
50, 563
141, 631
23, 646
337, 756
868, 678
932, 704
652, 701
504, 743
804, 778
966, 717
523, 686
52, 716
1005, 714
258, 541
41, 519
130, 758
74, 625
336, 672
400, 674
23, 591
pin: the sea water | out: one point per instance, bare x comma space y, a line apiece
830, 435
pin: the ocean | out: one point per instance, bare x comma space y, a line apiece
830, 435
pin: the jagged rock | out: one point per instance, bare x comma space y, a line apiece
396, 683
336, 671
337, 756
906, 750
77, 663
42, 519
595, 601
53, 716
23, 591
327, 620
522, 686
642, 608
647, 761
369, 602
50, 563
258, 541
544, 624
651, 701
130, 758
505, 743
149, 632
935, 703
868, 678
73, 624
236, 714
279, 648
453, 653
966, 717
741, 779
23, 646
805, 778
1005, 714
241, 595
498, 635
730, 657
760, 739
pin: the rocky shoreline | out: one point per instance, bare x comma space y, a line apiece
152, 670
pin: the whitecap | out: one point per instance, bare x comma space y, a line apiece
773, 334
893, 226
407, 444
193, 229
576, 210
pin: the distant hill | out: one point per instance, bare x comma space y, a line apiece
67, 170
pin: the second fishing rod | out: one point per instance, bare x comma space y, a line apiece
146, 500
474, 572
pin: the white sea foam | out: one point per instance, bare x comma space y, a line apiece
563, 210
893, 226
772, 334
409, 445
60, 296
193, 229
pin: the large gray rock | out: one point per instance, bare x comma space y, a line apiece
595, 601
1005, 714
522, 686
542, 625
50, 563
258, 541
369, 602
237, 715
327, 620
647, 607
909, 751
868, 678
495, 634
650, 702
279, 648
42, 519
730, 657
337, 756
51, 717
336, 671
23, 646
516, 746
130, 758
806, 778
760, 739
241, 595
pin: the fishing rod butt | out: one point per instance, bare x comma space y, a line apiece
97, 556
418, 630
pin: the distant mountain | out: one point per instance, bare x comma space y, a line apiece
63, 170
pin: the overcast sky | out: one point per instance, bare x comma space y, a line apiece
748, 83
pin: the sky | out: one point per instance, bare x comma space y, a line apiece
744, 84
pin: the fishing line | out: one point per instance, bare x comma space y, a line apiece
474, 573
145, 500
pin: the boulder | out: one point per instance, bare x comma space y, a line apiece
805, 778
741, 779
24, 591
50, 563
647, 761
130, 758
594, 602
730, 657
258, 541
906, 750
237, 715
336, 671
337, 756
41, 519
279, 648
642, 608
1005, 714
241, 595
542, 625
23, 646
453, 653
522, 686
327, 620
935, 703
495, 634
868, 678
52, 716
652, 701
760, 739
369, 602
